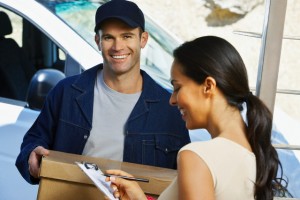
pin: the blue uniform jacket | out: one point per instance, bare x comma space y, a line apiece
154, 131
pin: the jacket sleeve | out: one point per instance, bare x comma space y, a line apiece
40, 134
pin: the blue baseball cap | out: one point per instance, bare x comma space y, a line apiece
126, 11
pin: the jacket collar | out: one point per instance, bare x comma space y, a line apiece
86, 82
85, 85
150, 94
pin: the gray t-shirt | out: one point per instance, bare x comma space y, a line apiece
111, 111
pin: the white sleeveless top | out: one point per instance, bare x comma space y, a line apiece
233, 169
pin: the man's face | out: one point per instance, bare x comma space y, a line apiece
121, 46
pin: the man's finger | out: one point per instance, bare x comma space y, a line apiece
41, 151
33, 163
34, 160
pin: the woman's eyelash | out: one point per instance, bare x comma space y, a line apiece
175, 88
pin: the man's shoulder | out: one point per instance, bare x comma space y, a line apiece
85, 75
151, 85
80, 82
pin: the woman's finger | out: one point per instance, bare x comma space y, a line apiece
118, 172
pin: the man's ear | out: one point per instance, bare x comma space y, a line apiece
210, 85
97, 40
144, 39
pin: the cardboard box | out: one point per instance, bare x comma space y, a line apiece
61, 178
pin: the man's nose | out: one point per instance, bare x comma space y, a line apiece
118, 44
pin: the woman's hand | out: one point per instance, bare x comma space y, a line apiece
124, 189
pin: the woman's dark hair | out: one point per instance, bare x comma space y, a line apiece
215, 57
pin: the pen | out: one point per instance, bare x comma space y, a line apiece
128, 178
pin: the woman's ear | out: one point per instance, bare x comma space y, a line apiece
209, 85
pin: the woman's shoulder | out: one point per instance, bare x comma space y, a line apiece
204, 144
218, 146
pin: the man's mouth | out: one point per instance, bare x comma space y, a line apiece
120, 56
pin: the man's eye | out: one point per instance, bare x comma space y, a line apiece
127, 36
107, 38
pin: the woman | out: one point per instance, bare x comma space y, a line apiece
211, 91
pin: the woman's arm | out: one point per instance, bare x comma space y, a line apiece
194, 177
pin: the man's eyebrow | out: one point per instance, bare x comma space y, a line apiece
122, 34
127, 33
106, 35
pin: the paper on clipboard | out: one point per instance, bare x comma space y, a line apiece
96, 175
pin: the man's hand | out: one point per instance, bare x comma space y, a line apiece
34, 160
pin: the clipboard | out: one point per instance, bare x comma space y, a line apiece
96, 175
